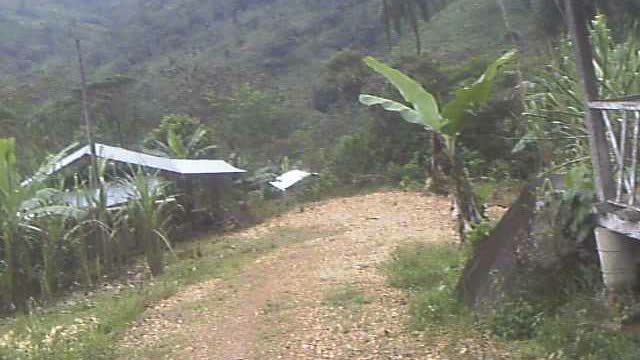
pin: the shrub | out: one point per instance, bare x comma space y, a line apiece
577, 332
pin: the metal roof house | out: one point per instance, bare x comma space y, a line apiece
117, 193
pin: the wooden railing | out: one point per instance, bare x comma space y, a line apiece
622, 120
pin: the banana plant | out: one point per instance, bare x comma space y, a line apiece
423, 110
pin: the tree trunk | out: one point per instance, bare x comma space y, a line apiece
468, 211
438, 176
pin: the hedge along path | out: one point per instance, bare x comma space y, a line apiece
321, 298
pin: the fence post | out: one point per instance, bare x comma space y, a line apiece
578, 26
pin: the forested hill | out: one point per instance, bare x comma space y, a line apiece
193, 56
121, 34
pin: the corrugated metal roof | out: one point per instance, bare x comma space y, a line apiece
290, 178
179, 166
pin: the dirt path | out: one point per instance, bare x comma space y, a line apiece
323, 298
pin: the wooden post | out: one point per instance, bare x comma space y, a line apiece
94, 181
87, 120
578, 25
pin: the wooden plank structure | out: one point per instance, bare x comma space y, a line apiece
614, 131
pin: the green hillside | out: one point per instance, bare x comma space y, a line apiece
180, 54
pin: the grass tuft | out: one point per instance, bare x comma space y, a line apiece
430, 273
347, 296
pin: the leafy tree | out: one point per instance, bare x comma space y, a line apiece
343, 78
448, 123
181, 137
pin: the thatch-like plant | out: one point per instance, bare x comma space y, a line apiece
149, 212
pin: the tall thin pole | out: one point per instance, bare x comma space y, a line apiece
87, 120
94, 181
578, 26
